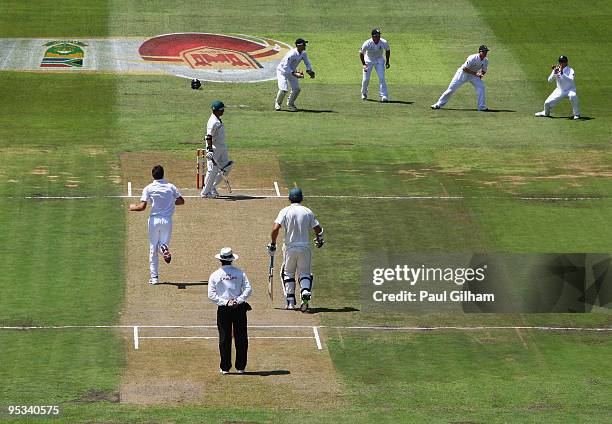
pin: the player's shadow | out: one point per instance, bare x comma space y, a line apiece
476, 110
263, 373
397, 102
239, 197
319, 310
571, 118
317, 111
183, 284
326, 310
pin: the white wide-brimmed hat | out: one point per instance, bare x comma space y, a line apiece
226, 254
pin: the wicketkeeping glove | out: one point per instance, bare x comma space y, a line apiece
271, 249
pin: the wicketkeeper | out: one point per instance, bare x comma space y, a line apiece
297, 221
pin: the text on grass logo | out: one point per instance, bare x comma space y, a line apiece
215, 57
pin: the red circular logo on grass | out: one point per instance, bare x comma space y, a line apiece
215, 57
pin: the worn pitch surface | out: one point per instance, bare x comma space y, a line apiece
283, 372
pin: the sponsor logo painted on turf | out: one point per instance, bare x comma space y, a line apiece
63, 54
208, 57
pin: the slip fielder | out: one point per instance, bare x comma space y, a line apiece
472, 71
371, 56
287, 74
566, 87
297, 221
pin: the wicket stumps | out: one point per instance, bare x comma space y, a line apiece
200, 167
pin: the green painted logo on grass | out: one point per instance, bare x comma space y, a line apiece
63, 54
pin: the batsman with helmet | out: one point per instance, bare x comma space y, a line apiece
297, 221
218, 163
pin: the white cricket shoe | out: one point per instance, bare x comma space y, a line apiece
214, 193
292, 108
434, 107
223, 372
576, 116
384, 99
277, 106
154, 280
364, 97
290, 306
540, 114
210, 195
239, 371
166, 253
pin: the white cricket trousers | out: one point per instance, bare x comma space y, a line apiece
557, 95
160, 231
286, 80
213, 173
296, 259
458, 80
379, 65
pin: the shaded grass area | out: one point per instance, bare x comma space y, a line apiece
477, 377
59, 367
63, 262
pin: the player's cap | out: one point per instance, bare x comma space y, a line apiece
217, 105
563, 58
226, 254
295, 195
300, 42
483, 48
375, 31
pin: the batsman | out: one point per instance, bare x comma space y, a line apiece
218, 163
297, 221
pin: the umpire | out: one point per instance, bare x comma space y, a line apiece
229, 288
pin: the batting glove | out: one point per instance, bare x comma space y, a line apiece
271, 249
209, 155
311, 73
319, 241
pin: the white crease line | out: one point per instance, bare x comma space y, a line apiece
317, 338
277, 190
474, 328
129, 189
216, 337
136, 337
315, 196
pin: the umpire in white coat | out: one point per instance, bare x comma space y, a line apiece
297, 221
229, 289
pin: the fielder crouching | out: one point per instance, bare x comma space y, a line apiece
297, 221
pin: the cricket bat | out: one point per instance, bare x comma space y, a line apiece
271, 279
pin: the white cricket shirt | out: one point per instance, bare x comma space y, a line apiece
291, 61
226, 283
373, 51
216, 130
474, 63
298, 222
565, 79
161, 194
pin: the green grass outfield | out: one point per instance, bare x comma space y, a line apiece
63, 260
